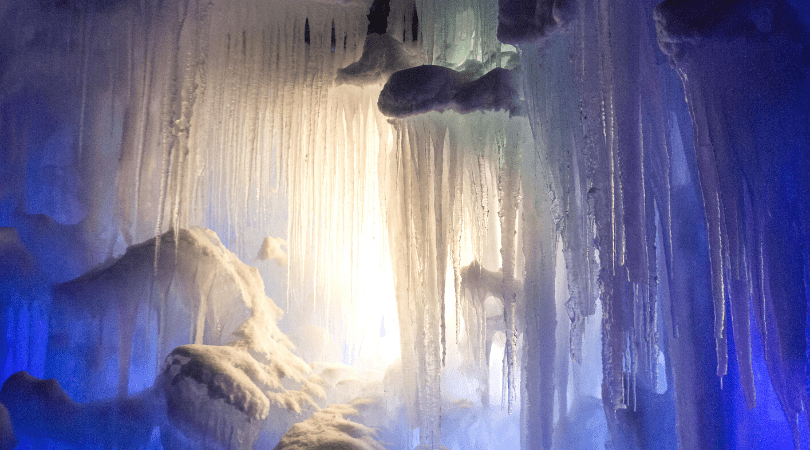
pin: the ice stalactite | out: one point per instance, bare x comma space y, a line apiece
605, 177
741, 88
540, 215
435, 168
537, 384
195, 62
476, 285
452, 32
415, 191
232, 108
509, 157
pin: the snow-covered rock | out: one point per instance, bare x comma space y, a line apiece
330, 428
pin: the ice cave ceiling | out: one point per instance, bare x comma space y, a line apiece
399, 224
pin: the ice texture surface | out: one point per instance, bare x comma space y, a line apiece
217, 394
187, 270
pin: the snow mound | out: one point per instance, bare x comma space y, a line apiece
382, 56
330, 429
189, 268
434, 88
222, 393
191, 263
217, 394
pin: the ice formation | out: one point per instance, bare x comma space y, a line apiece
498, 224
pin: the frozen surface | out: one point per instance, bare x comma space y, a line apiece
522, 21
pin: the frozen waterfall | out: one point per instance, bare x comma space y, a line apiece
400, 224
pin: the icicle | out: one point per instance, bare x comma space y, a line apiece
509, 199
86, 50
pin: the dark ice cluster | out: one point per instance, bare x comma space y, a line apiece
434, 88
